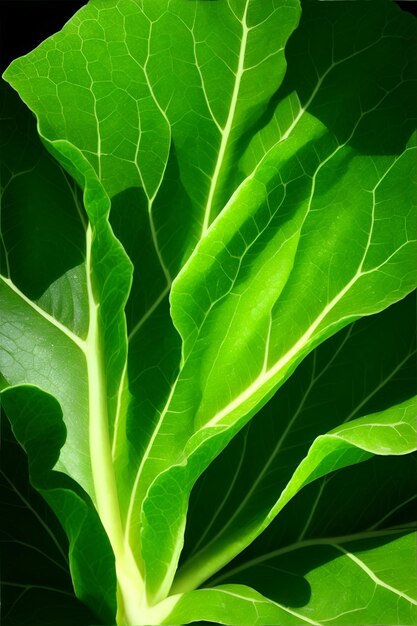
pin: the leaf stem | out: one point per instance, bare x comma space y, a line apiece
130, 582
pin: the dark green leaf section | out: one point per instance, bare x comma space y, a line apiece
349, 581
41, 209
36, 585
38, 426
342, 503
342, 81
154, 344
300, 561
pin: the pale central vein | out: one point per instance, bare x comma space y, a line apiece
227, 129
105, 489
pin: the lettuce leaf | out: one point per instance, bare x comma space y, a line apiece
187, 336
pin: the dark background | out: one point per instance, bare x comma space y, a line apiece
26, 23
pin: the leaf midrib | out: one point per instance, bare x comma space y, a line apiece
227, 129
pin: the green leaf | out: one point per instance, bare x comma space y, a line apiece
41, 439
36, 584
109, 58
238, 214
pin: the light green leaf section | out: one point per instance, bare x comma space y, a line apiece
219, 284
390, 432
375, 435
98, 84
364, 579
236, 605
